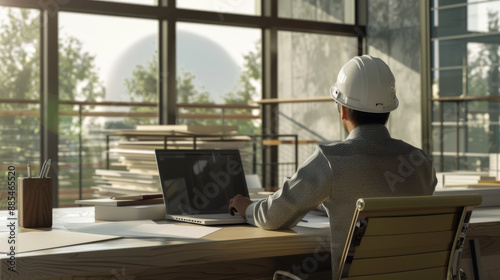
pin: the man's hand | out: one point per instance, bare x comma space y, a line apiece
240, 204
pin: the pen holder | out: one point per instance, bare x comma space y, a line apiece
35, 202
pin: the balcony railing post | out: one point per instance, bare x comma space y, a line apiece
80, 152
107, 151
223, 111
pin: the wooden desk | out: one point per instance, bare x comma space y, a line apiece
484, 229
235, 252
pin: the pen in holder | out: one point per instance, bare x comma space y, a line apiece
35, 202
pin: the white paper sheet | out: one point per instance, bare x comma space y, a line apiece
111, 228
171, 230
40, 240
315, 220
145, 228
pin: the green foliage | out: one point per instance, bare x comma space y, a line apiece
143, 86
78, 79
246, 90
19, 56
20, 79
188, 94
19, 71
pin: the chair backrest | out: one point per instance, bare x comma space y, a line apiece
418, 237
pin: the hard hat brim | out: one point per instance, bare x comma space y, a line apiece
336, 94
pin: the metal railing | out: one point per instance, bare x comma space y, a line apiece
81, 110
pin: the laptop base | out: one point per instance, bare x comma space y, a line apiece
208, 219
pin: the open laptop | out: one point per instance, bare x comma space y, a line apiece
198, 184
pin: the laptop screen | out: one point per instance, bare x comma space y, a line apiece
200, 181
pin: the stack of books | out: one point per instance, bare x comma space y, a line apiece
113, 182
136, 153
127, 208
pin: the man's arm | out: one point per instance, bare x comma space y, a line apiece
310, 186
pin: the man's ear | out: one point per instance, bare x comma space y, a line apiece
343, 114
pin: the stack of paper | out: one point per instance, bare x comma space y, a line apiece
145, 228
495, 165
465, 178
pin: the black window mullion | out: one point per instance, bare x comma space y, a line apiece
49, 98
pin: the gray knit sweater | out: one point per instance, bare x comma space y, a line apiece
369, 163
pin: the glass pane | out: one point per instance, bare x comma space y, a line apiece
481, 62
450, 83
466, 61
451, 53
308, 65
483, 81
246, 7
478, 134
475, 17
218, 65
19, 92
337, 11
106, 59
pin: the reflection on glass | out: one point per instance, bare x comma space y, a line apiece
101, 58
19, 89
467, 68
470, 148
337, 11
246, 7
218, 65
476, 17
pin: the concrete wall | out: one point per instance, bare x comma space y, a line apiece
393, 29
308, 65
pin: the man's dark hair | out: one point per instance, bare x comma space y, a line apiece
360, 118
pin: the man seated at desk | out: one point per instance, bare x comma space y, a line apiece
369, 163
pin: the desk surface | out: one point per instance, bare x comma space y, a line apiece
239, 251
232, 252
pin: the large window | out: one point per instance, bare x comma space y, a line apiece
19, 90
105, 59
72, 70
465, 68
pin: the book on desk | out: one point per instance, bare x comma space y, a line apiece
140, 207
130, 213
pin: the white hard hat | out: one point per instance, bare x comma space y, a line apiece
366, 84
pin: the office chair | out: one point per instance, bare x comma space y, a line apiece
407, 237
418, 237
